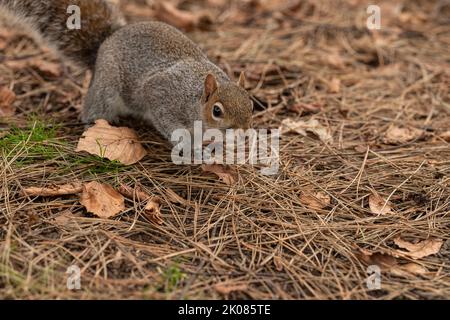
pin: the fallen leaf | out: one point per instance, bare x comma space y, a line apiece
334, 86
7, 98
378, 205
315, 200
102, 200
152, 210
113, 143
169, 13
397, 135
226, 288
301, 127
54, 190
225, 173
420, 249
388, 262
381, 259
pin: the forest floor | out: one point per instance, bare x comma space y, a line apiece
376, 192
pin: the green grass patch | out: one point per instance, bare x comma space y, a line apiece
171, 278
36, 142
96, 165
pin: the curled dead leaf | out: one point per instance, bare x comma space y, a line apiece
224, 172
114, 143
420, 249
378, 205
102, 200
315, 200
152, 207
54, 190
7, 98
381, 259
302, 127
388, 262
152, 210
397, 135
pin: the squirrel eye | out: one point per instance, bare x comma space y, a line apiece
217, 111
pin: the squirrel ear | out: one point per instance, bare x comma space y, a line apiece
210, 86
241, 81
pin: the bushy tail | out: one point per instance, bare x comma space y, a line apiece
50, 19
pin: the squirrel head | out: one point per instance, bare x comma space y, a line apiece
226, 106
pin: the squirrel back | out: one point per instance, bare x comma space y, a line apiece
48, 18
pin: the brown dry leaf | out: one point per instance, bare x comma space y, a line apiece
301, 127
7, 98
334, 86
102, 200
226, 288
54, 190
152, 210
397, 135
225, 173
185, 20
420, 249
114, 143
315, 200
388, 262
383, 260
378, 205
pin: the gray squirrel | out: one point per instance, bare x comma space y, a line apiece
147, 70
